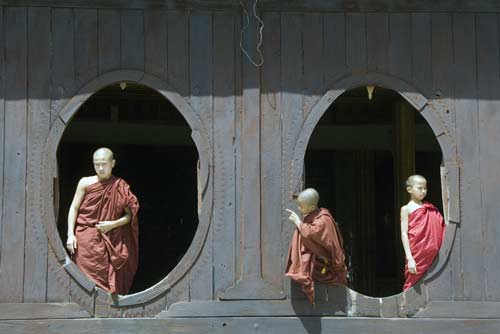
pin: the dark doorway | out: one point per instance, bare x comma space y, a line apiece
154, 153
358, 158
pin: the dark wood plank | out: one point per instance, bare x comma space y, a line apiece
86, 46
109, 43
201, 76
84, 298
270, 143
35, 259
445, 285
377, 42
489, 120
334, 47
356, 43
58, 281
132, 40
468, 150
291, 120
421, 52
400, 46
154, 307
14, 195
2, 119
291, 325
224, 152
312, 37
155, 43
63, 60
178, 51
18, 311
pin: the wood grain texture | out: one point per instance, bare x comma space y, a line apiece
155, 42
35, 259
109, 43
15, 141
132, 39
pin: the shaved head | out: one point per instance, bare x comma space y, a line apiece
103, 153
410, 182
309, 196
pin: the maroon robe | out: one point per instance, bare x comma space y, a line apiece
316, 253
426, 229
109, 259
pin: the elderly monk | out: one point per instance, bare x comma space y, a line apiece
102, 227
422, 231
316, 252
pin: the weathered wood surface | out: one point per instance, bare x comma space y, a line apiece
293, 325
18, 311
14, 160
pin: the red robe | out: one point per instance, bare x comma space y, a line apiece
425, 232
316, 253
109, 259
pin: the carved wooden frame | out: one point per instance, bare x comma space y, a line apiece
433, 112
200, 138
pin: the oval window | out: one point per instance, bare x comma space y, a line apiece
358, 158
154, 153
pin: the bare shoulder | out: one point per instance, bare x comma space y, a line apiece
86, 181
405, 210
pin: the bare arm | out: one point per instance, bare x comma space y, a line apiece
71, 242
107, 226
406, 242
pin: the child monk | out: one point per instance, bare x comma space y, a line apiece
316, 251
102, 227
422, 231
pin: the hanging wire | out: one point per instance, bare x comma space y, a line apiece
261, 23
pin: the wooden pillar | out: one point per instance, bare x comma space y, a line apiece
404, 164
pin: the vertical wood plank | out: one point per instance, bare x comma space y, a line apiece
334, 47
178, 51
58, 280
356, 43
63, 60
377, 43
400, 46
132, 40
155, 42
109, 41
472, 243
200, 39
2, 120
489, 122
447, 284
421, 51
313, 61
224, 152
86, 46
271, 149
14, 196
35, 262
178, 77
291, 101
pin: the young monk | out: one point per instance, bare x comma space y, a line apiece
422, 231
316, 251
102, 227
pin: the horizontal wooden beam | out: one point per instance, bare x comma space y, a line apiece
289, 325
275, 5
20, 311
462, 309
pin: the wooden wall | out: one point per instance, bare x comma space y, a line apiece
48, 54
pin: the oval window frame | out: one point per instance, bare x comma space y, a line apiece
205, 191
432, 111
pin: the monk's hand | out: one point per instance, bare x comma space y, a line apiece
105, 226
294, 217
412, 266
71, 244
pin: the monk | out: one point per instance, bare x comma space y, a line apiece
316, 251
102, 227
422, 231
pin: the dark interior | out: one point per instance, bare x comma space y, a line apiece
154, 153
351, 162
